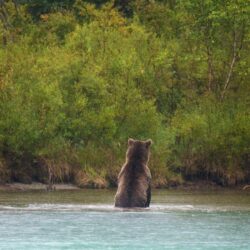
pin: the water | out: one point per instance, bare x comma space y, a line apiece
86, 219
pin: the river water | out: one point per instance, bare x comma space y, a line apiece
86, 219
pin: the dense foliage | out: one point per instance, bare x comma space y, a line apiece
77, 78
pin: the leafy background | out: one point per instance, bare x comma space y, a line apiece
78, 78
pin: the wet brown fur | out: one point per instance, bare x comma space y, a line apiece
134, 189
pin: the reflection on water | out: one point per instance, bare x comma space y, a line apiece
87, 219
103, 200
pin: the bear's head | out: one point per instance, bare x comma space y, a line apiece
138, 150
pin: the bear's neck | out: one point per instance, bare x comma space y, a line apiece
136, 162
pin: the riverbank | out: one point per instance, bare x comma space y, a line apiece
201, 185
16, 186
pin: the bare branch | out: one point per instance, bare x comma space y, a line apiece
229, 74
235, 57
210, 69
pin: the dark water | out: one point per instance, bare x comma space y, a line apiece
86, 219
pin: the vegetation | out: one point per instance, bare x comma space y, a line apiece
78, 78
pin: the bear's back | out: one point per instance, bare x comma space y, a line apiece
133, 185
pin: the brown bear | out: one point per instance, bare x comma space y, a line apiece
134, 179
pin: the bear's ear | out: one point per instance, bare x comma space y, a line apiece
148, 142
130, 141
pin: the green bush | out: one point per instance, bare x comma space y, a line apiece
77, 80
211, 141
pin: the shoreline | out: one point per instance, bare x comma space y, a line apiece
37, 186
17, 186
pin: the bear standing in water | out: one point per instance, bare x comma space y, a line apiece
134, 179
